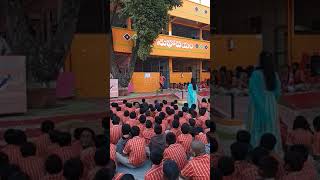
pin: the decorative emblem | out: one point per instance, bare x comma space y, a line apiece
206, 46
127, 37
205, 11
196, 8
197, 46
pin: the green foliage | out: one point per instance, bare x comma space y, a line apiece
149, 18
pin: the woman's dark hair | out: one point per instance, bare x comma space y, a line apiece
316, 123
268, 69
194, 84
301, 122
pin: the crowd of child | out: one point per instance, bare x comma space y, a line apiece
54, 155
174, 139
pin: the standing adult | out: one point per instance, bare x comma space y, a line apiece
162, 80
264, 92
192, 93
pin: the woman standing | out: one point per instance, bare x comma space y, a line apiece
264, 91
192, 97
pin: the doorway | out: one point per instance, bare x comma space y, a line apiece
164, 70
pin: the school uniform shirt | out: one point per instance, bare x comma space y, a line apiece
155, 173
52, 148
201, 137
300, 136
204, 105
113, 109
316, 144
300, 175
176, 153
118, 176
187, 116
87, 157
169, 119
198, 168
77, 147
214, 157
120, 115
42, 143
183, 120
33, 166
115, 134
142, 127
147, 134
92, 173
135, 148
176, 131
113, 152
201, 121
150, 118
65, 153
13, 153
58, 176
185, 140
309, 168
246, 170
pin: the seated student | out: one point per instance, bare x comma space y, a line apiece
132, 119
112, 169
199, 165
125, 117
43, 141
115, 130
175, 128
148, 133
75, 143
294, 164
170, 170
316, 138
176, 109
125, 129
301, 133
244, 136
4, 161
170, 117
104, 173
268, 167
243, 168
201, 120
212, 149
204, 103
153, 112
13, 139
127, 177
226, 169
208, 126
192, 122
30, 163
53, 168
175, 151
308, 166
73, 169
163, 116
185, 138
155, 172
65, 150
101, 160
54, 138
182, 120
158, 120
141, 124
158, 141
200, 136
119, 113
149, 116
186, 114
87, 137
135, 149
129, 107
113, 107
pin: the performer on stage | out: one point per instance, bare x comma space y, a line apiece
264, 91
192, 93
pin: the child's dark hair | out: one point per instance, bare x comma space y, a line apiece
156, 156
53, 164
28, 149
239, 151
135, 131
185, 105
175, 107
148, 124
115, 120
243, 136
158, 129
193, 131
64, 139
127, 177
268, 141
126, 113
184, 109
124, 101
47, 126
125, 129
192, 122
142, 119
165, 102
143, 100
185, 128
73, 169
202, 111
204, 100
118, 109
193, 106
175, 123
301, 123
257, 153
226, 165
100, 157
301, 149
158, 120
268, 167
133, 115
316, 124
294, 161
171, 138
180, 114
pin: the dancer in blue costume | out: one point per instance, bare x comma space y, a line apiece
192, 93
264, 91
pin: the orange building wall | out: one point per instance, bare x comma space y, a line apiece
305, 44
175, 77
142, 84
88, 60
204, 76
246, 51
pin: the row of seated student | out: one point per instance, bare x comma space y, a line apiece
54, 155
164, 134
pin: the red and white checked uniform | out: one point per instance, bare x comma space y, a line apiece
185, 140
187, 116
142, 127
42, 143
77, 147
118, 176
300, 136
65, 153
132, 122
58, 176
198, 168
201, 137
246, 170
33, 166
170, 119
301, 175
176, 131
87, 158
147, 134
113, 152
183, 120
316, 143
135, 148
203, 105
151, 119
92, 173
115, 134
125, 119
155, 173
13, 153
176, 153
201, 121
214, 157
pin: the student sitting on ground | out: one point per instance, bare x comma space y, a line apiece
73, 169
65, 150
156, 172
125, 129
201, 120
53, 168
175, 127
225, 169
101, 160
115, 130
175, 151
135, 149
170, 170
185, 138
301, 133
132, 119
14, 139
200, 136
268, 168
158, 141
43, 141
244, 136
199, 165
148, 133
204, 103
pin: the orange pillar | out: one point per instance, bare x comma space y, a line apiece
170, 68
170, 28
200, 34
290, 18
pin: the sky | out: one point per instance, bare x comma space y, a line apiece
204, 2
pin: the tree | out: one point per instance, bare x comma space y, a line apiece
44, 59
149, 18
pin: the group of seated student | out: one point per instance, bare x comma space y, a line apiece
174, 139
262, 163
235, 80
294, 78
54, 155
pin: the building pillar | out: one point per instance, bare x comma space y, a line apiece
170, 28
129, 23
170, 69
290, 21
200, 35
